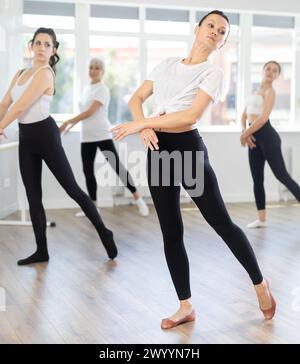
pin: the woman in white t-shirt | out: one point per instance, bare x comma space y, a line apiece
182, 90
95, 133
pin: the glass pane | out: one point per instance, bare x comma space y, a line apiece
26, 50
234, 33
157, 51
114, 25
274, 44
50, 21
224, 112
274, 21
121, 57
167, 27
63, 101
265, 34
64, 82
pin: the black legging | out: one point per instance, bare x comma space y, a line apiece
39, 142
268, 148
88, 155
167, 204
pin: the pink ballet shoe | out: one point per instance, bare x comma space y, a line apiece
269, 312
169, 324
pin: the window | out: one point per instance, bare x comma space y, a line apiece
115, 34
158, 50
50, 21
225, 111
59, 16
63, 99
121, 57
167, 21
114, 18
272, 39
48, 14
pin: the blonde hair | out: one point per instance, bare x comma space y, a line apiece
98, 62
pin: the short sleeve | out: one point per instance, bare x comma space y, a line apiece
101, 95
156, 71
212, 84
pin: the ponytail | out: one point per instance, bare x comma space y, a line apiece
55, 58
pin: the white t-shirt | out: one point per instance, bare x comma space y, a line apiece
175, 84
96, 127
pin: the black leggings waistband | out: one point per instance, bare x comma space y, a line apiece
266, 126
39, 130
39, 123
178, 136
185, 141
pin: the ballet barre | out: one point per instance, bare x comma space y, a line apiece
22, 221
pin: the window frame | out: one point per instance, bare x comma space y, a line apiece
243, 39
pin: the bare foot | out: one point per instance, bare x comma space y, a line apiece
185, 313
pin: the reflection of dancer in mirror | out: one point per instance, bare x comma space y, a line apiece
183, 89
264, 142
31, 92
95, 134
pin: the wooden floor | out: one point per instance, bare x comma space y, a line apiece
81, 297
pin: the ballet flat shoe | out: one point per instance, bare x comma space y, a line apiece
269, 312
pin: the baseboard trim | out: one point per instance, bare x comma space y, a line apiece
7, 210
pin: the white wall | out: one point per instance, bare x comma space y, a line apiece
230, 162
10, 60
228, 159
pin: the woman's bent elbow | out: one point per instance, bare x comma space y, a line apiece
191, 119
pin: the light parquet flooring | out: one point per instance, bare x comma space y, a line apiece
82, 297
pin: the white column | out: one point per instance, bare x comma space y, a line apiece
295, 104
244, 73
11, 47
82, 57
11, 59
82, 49
142, 44
192, 20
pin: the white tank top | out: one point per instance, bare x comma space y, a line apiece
40, 109
255, 104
